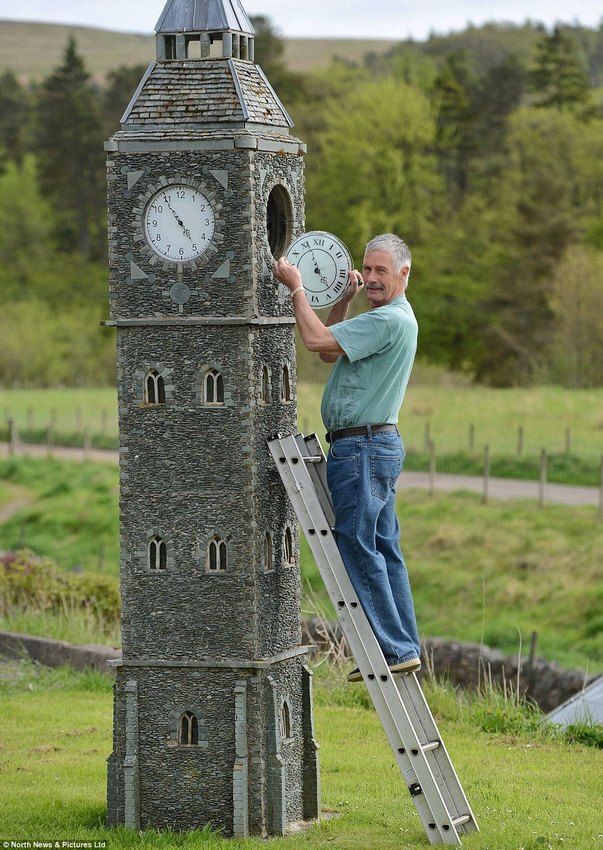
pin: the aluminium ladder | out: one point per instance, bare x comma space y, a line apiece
399, 701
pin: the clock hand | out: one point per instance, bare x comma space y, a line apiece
178, 219
318, 270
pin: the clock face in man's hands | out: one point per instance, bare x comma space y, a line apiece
324, 263
179, 223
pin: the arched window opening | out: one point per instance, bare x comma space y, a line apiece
217, 560
154, 388
265, 385
288, 546
157, 554
188, 730
286, 385
285, 721
214, 387
268, 552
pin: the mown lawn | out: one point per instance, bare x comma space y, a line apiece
528, 792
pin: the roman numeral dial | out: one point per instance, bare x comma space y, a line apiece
324, 263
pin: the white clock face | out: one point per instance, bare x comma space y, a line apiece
179, 223
324, 262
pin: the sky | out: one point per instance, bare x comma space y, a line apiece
388, 19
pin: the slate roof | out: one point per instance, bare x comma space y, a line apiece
192, 93
185, 16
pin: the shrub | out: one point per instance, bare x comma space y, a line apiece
29, 582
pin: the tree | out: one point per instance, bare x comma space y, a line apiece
576, 351
15, 110
558, 77
539, 195
375, 170
454, 137
68, 143
269, 54
119, 89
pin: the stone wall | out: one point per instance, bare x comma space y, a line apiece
472, 665
465, 665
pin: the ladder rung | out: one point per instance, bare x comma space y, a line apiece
461, 820
313, 459
426, 748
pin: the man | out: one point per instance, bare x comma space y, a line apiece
373, 355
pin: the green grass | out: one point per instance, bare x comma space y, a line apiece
69, 410
528, 790
73, 514
479, 572
460, 419
497, 572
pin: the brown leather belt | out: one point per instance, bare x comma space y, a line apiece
361, 431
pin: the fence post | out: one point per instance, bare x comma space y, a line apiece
532, 657
472, 437
520, 441
49, 439
427, 439
12, 437
486, 474
432, 467
543, 477
87, 444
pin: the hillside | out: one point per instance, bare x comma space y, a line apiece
32, 50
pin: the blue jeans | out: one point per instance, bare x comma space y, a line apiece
362, 474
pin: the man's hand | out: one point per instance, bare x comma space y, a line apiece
287, 273
354, 286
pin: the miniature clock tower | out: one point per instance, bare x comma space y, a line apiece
213, 708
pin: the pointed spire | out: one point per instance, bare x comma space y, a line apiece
210, 22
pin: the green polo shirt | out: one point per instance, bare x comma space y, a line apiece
367, 383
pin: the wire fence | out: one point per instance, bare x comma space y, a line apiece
487, 463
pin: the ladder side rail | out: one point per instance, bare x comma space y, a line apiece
420, 715
416, 706
311, 447
409, 687
457, 802
383, 690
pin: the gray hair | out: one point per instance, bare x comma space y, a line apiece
393, 245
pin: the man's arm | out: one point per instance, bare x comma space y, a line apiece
315, 335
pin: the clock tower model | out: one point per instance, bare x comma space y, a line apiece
213, 708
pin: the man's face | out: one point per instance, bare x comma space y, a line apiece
381, 282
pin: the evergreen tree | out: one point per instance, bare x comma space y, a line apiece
269, 54
119, 90
15, 111
68, 143
558, 77
454, 138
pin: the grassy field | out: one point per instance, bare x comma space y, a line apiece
495, 572
32, 50
528, 791
452, 412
